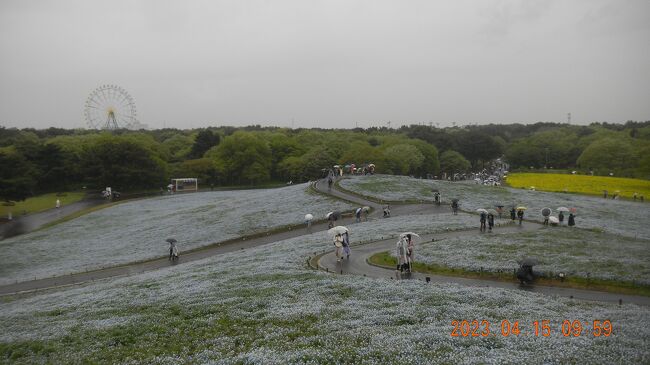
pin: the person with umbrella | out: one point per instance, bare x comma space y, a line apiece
454, 206
357, 215
173, 250
332, 217
410, 249
490, 219
402, 253
499, 210
338, 243
572, 220
366, 211
560, 215
337, 234
308, 219
546, 212
346, 244
513, 214
520, 214
482, 219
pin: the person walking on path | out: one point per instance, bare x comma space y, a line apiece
483, 217
58, 204
513, 214
357, 215
572, 220
560, 217
173, 250
454, 207
410, 251
545, 220
402, 252
338, 243
346, 245
490, 219
520, 215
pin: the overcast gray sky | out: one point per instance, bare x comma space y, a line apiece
327, 63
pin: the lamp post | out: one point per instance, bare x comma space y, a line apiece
546, 164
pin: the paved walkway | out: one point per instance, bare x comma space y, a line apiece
24, 224
357, 264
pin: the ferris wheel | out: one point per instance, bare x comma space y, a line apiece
110, 107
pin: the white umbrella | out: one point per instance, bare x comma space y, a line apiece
337, 230
327, 216
357, 211
481, 210
308, 217
553, 220
413, 235
492, 211
366, 208
562, 209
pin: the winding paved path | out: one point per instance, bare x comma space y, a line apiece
356, 265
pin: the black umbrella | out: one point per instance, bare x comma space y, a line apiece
528, 261
334, 216
171, 240
454, 200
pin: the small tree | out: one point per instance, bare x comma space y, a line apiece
17, 180
203, 142
453, 162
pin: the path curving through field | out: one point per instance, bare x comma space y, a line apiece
357, 265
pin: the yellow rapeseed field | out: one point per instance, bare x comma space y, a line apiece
584, 184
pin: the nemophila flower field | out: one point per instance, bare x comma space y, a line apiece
559, 249
615, 216
264, 306
137, 230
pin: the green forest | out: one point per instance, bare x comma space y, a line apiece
39, 161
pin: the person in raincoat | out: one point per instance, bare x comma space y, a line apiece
560, 217
572, 220
513, 214
402, 254
357, 215
410, 251
173, 250
520, 215
490, 219
338, 243
483, 218
346, 245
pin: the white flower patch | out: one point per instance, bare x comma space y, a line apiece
574, 252
137, 230
616, 216
283, 312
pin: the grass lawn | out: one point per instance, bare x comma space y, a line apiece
615, 286
584, 184
40, 203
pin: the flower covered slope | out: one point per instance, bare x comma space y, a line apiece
616, 216
137, 230
572, 251
264, 306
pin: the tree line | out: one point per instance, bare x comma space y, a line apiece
37, 161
